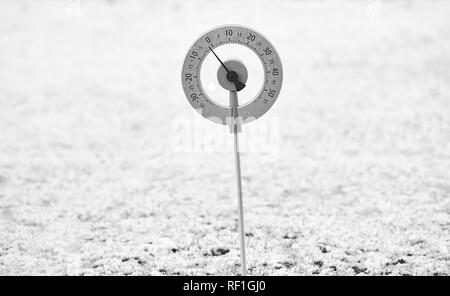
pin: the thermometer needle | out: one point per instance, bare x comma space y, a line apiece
231, 75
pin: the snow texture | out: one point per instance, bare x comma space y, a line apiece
91, 185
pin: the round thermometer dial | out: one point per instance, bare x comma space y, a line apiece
232, 34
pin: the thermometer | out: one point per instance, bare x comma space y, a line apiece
232, 76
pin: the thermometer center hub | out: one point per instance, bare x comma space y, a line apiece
232, 76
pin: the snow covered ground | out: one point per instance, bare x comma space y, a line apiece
90, 183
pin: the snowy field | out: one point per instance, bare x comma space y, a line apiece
90, 182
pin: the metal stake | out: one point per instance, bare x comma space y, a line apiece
235, 129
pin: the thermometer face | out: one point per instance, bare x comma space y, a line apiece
232, 34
